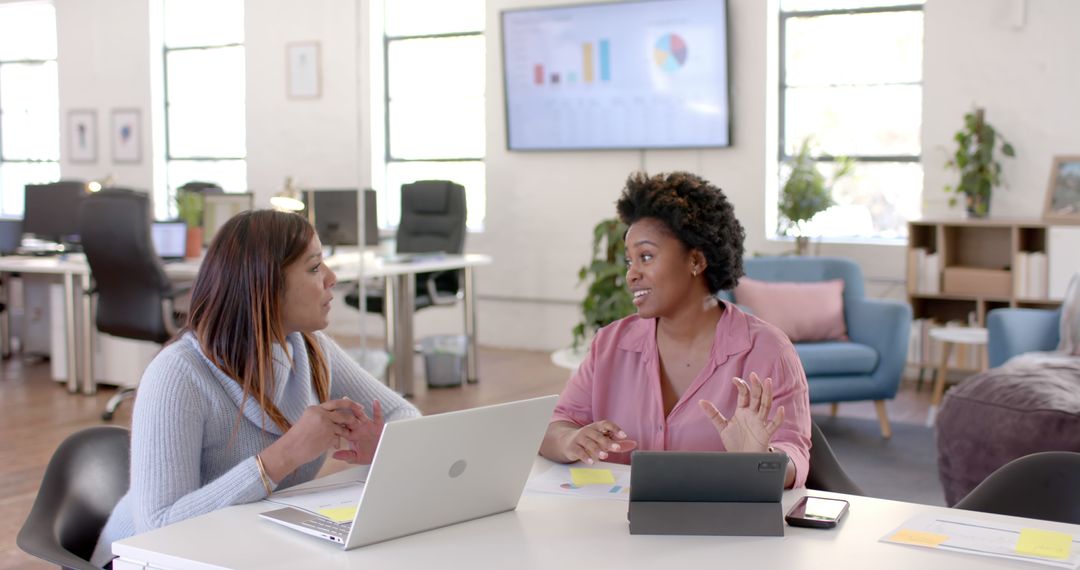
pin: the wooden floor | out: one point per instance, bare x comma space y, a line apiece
36, 414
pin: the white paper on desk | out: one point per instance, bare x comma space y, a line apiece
557, 481
986, 538
314, 497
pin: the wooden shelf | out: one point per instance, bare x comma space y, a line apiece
981, 254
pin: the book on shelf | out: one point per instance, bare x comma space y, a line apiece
1030, 275
923, 271
925, 351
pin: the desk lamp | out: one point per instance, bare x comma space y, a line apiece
289, 198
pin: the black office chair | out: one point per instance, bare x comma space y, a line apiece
433, 217
1040, 486
826, 474
86, 477
134, 297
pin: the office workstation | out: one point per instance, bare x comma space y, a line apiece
461, 161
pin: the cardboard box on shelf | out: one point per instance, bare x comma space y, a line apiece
977, 281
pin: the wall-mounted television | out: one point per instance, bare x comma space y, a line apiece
618, 75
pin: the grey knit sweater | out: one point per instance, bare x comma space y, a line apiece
190, 455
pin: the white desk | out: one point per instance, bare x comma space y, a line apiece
75, 276
400, 283
553, 532
399, 304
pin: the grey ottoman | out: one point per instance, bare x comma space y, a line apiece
1023, 407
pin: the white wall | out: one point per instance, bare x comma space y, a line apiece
1022, 70
313, 140
542, 206
103, 55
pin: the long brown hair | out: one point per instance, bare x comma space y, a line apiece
236, 303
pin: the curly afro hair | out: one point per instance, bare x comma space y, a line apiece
697, 213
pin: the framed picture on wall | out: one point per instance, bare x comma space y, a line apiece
126, 136
304, 75
1063, 195
82, 135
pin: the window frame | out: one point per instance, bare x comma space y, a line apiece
166, 104
782, 86
388, 157
59, 153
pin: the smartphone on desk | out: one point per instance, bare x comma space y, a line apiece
817, 512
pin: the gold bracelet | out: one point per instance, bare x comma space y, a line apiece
263, 476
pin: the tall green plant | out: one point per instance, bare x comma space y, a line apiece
607, 298
806, 192
980, 172
189, 206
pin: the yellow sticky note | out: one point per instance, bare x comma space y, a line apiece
918, 538
339, 514
1044, 543
582, 477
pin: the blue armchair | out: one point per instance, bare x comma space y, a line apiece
1016, 331
870, 364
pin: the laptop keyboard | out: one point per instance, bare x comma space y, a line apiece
340, 530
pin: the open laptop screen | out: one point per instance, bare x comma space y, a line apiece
170, 239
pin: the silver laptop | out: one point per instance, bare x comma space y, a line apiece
438, 470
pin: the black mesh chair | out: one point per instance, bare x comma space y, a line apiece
433, 217
826, 474
134, 297
86, 477
1044, 486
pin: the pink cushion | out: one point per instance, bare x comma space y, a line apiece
804, 311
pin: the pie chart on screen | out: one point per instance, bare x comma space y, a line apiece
670, 52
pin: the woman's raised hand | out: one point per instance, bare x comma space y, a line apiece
317, 430
593, 442
749, 428
365, 438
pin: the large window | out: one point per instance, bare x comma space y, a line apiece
29, 101
851, 78
434, 99
205, 137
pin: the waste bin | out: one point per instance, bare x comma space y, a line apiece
444, 360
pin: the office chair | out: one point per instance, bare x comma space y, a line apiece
433, 217
134, 297
86, 477
1038, 486
826, 474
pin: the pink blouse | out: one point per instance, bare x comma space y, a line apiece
620, 381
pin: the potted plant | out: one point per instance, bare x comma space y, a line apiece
607, 298
189, 206
980, 172
806, 193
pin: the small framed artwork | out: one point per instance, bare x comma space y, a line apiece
126, 136
1063, 195
304, 75
82, 135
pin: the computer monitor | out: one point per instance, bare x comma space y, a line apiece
10, 235
334, 215
170, 239
52, 210
218, 208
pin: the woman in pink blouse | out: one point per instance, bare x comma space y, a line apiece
684, 373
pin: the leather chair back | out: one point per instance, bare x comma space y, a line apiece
433, 214
432, 217
826, 474
87, 475
130, 282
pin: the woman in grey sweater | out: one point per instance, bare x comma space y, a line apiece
250, 397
